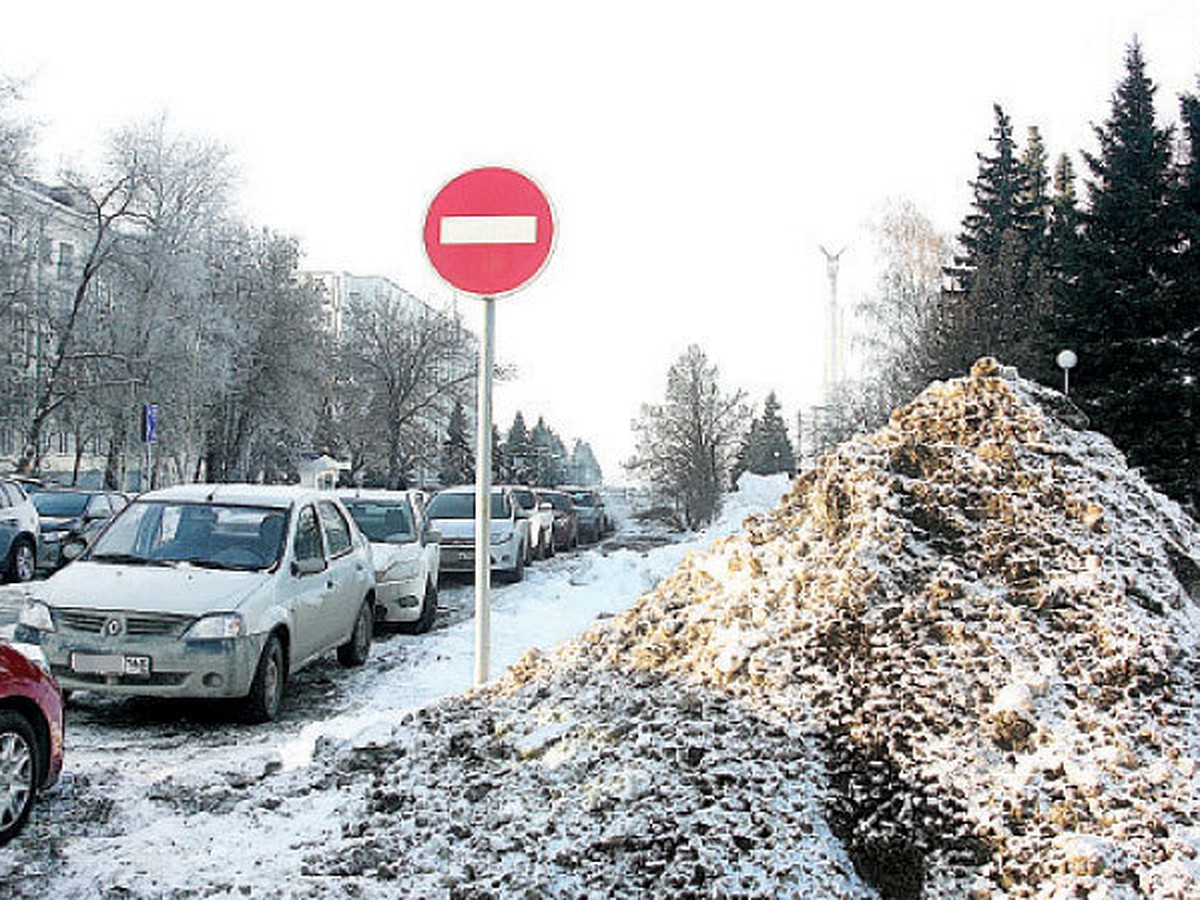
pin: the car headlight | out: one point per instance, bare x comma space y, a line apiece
502, 537
217, 627
36, 614
399, 572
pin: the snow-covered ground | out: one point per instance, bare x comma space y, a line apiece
172, 799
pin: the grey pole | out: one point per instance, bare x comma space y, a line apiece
483, 498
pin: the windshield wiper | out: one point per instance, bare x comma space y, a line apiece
213, 564
130, 559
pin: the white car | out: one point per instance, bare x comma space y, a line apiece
19, 533
541, 521
405, 552
219, 591
452, 513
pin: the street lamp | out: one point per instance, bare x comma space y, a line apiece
1066, 361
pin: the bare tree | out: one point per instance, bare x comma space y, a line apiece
406, 366
685, 445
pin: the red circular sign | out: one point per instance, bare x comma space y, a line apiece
489, 231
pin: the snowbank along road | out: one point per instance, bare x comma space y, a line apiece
958, 658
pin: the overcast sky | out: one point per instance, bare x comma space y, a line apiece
695, 153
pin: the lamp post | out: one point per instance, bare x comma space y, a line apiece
1066, 361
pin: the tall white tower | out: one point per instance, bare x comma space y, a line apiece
835, 361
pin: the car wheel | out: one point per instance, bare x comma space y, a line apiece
356, 650
266, 691
428, 612
18, 773
22, 561
517, 572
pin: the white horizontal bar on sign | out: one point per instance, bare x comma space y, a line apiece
488, 230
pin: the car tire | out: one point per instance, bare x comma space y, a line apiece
22, 561
424, 621
517, 572
355, 651
18, 772
266, 690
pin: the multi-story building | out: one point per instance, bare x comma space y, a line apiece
342, 291
44, 238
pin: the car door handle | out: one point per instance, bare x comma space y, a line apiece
329, 584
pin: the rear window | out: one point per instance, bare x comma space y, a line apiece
61, 504
383, 522
462, 506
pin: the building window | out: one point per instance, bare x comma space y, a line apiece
66, 260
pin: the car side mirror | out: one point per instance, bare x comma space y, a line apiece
311, 566
73, 548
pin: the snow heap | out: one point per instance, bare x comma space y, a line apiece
964, 644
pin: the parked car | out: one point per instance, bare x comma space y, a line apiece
405, 552
18, 533
541, 520
452, 513
66, 513
209, 591
593, 520
566, 520
31, 733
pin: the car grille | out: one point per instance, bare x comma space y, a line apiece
458, 541
91, 621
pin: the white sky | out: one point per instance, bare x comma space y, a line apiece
695, 153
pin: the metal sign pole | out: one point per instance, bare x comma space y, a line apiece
483, 496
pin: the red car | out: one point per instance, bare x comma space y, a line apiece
31, 734
566, 520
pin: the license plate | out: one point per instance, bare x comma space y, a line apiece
110, 664
465, 555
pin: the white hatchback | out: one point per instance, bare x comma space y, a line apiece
209, 591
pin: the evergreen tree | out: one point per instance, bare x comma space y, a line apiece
997, 193
770, 449
584, 468
457, 462
1125, 314
518, 452
548, 455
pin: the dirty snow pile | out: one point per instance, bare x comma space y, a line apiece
965, 644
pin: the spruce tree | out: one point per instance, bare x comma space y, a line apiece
518, 451
457, 462
770, 447
1124, 313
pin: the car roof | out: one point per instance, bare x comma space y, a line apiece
283, 496
374, 494
470, 489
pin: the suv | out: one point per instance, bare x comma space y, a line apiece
18, 533
67, 513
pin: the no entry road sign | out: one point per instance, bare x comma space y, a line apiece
489, 231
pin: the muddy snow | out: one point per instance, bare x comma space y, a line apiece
957, 658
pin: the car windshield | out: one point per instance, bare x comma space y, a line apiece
212, 535
560, 502
583, 498
526, 499
60, 504
462, 506
383, 521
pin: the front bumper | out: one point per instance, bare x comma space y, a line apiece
219, 668
461, 557
399, 600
